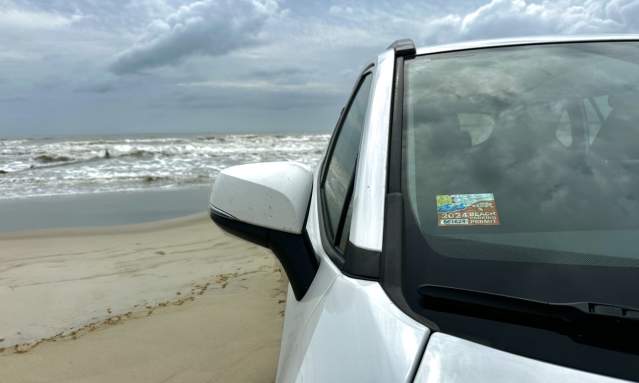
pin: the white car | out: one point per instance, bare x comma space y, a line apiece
475, 219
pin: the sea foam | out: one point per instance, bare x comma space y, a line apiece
40, 167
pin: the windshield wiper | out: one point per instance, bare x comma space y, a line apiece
563, 311
603, 325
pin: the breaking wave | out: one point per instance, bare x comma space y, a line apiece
48, 158
55, 167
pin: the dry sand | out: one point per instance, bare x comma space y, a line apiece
171, 301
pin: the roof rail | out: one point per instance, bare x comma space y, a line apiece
403, 47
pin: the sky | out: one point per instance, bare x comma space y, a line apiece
100, 67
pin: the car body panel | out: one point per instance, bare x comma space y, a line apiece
356, 334
477, 44
297, 332
346, 329
367, 226
453, 360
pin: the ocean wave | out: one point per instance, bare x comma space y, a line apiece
48, 158
138, 153
59, 159
53, 167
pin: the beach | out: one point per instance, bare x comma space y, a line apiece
176, 300
112, 271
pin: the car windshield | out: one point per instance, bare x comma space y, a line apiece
525, 160
520, 178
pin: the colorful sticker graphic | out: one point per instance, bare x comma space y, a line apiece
467, 210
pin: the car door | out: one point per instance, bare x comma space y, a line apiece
346, 329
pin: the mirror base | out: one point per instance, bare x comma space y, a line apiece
294, 251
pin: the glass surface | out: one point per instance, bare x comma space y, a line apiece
341, 166
346, 230
520, 170
552, 132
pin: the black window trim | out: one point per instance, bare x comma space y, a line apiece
330, 243
391, 257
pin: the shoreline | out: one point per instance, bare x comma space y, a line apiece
191, 342
103, 209
219, 281
101, 230
63, 286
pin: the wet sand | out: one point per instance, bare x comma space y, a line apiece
101, 209
170, 301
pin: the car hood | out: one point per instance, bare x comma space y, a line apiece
454, 360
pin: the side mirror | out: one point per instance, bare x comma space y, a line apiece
267, 203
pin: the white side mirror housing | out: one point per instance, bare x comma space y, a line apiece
273, 195
267, 204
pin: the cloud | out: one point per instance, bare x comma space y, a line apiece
252, 99
261, 56
205, 27
15, 56
14, 99
494, 19
508, 18
278, 74
268, 86
12, 16
251, 93
98, 87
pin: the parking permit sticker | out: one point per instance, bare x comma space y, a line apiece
467, 210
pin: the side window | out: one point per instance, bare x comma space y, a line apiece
337, 183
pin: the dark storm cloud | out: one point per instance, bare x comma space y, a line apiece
206, 27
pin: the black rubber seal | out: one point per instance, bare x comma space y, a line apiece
361, 263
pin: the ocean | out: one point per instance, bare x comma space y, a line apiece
48, 167
68, 182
